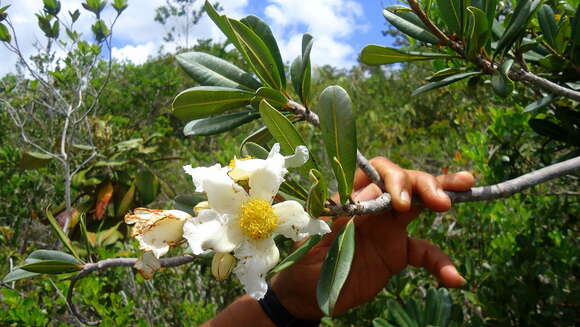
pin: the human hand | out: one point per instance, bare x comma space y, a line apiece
383, 247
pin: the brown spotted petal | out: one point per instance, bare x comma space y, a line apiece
147, 265
157, 230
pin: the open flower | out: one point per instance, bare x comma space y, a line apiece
157, 230
245, 222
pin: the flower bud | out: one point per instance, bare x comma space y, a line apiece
222, 265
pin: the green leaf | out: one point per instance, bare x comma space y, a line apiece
336, 268
95, 6
219, 124
187, 202
540, 103
399, 315
284, 132
34, 160
223, 24
379, 55
61, 235
295, 255
18, 274
120, 6
147, 187
452, 13
478, 31
255, 150
446, 72
446, 81
409, 28
203, 101
407, 14
443, 307
488, 7
257, 53
74, 15
260, 136
100, 30
300, 71
317, 195
265, 33
126, 201
575, 41
337, 123
274, 97
502, 85
517, 25
380, 322
4, 33
210, 70
548, 23
51, 7
51, 262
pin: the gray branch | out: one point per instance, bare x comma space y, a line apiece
546, 85
109, 263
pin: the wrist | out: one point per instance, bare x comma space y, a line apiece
299, 301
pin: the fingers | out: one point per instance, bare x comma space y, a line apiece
459, 182
424, 254
397, 182
429, 189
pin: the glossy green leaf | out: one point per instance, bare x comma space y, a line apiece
255, 150
119, 6
443, 73
337, 123
147, 187
34, 160
5, 35
452, 12
317, 195
548, 23
260, 136
218, 124
409, 28
517, 25
18, 274
478, 31
502, 85
258, 54
296, 255
563, 36
61, 235
210, 70
222, 22
300, 70
203, 101
283, 131
399, 315
407, 14
380, 322
265, 33
274, 97
187, 202
51, 7
446, 81
441, 306
540, 103
336, 268
51, 267
488, 7
379, 55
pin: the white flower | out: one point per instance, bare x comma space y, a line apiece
245, 222
157, 230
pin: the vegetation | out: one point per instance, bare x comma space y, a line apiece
519, 254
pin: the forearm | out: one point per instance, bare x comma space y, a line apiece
245, 311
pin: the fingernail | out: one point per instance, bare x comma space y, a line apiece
442, 193
405, 197
462, 281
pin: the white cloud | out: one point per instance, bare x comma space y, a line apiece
137, 54
331, 22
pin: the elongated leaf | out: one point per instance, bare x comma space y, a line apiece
296, 255
443, 82
407, 14
104, 195
548, 23
61, 235
336, 268
409, 28
379, 55
478, 31
52, 255
222, 22
446, 72
34, 160
443, 312
265, 33
147, 186
399, 315
260, 136
317, 195
126, 201
203, 101
501, 83
300, 70
515, 30
380, 322
18, 274
452, 12
283, 131
489, 8
210, 70
219, 124
259, 55
5, 35
274, 97
51, 267
540, 103
255, 150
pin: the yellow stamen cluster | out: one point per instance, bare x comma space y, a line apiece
257, 219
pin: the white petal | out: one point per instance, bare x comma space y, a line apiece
316, 226
244, 168
211, 231
200, 174
299, 157
255, 260
293, 219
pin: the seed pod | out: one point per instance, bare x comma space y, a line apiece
222, 265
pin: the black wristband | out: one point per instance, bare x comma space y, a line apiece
279, 315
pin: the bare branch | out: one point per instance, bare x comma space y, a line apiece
109, 263
546, 85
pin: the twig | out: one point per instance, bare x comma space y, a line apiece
109, 263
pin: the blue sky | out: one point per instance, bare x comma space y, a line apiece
341, 28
